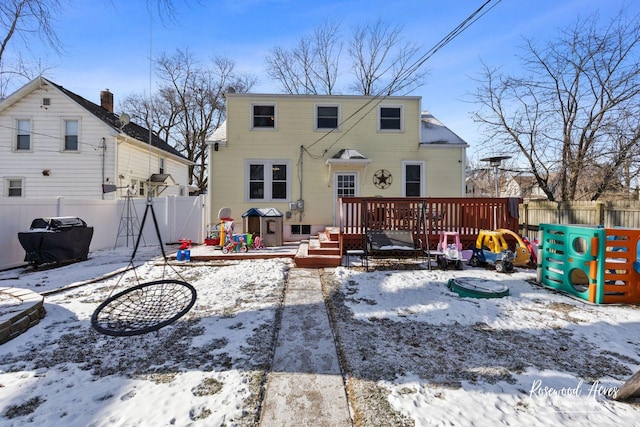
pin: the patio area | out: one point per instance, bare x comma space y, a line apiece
212, 253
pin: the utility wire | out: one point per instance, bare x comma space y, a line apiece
379, 97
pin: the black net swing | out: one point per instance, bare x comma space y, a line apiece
145, 307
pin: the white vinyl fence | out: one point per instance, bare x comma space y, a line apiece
115, 223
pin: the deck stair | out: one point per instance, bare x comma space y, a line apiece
320, 251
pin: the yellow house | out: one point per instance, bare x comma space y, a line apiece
300, 153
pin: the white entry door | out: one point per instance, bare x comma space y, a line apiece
345, 184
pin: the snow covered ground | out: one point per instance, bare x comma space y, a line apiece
414, 352
533, 358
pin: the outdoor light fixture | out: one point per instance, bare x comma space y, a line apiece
495, 162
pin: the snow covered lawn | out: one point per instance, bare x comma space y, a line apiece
206, 369
414, 352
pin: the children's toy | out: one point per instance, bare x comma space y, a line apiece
237, 243
185, 243
601, 265
257, 243
184, 252
492, 248
213, 235
225, 227
523, 253
474, 287
533, 249
451, 250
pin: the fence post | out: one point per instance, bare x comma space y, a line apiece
600, 213
525, 217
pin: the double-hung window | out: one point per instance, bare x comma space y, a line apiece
390, 118
263, 116
14, 187
327, 116
413, 181
71, 135
23, 134
268, 180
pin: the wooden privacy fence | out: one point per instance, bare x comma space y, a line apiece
426, 217
608, 214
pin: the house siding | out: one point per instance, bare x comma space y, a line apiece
47, 139
295, 127
139, 162
74, 174
445, 171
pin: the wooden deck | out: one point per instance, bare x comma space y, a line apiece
426, 217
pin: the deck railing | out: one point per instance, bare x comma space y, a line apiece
426, 217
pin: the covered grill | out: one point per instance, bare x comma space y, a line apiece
56, 239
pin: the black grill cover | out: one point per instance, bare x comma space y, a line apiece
59, 240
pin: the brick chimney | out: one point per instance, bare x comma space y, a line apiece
106, 100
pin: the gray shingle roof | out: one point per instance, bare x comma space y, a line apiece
133, 130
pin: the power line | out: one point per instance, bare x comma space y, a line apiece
379, 97
53, 137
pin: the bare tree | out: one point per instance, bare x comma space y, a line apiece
312, 66
26, 20
189, 104
572, 117
381, 64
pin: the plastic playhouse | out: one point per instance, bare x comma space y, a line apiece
596, 264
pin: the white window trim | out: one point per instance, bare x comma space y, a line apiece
14, 143
315, 117
275, 116
423, 174
133, 189
401, 107
63, 131
6, 186
267, 182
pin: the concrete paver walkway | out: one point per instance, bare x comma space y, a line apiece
305, 387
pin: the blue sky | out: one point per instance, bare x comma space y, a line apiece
108, 42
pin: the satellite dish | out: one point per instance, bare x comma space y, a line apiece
124, 119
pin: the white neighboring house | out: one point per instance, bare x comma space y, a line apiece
56, 143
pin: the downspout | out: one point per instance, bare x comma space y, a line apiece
104, 153
209, 215
463, 160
